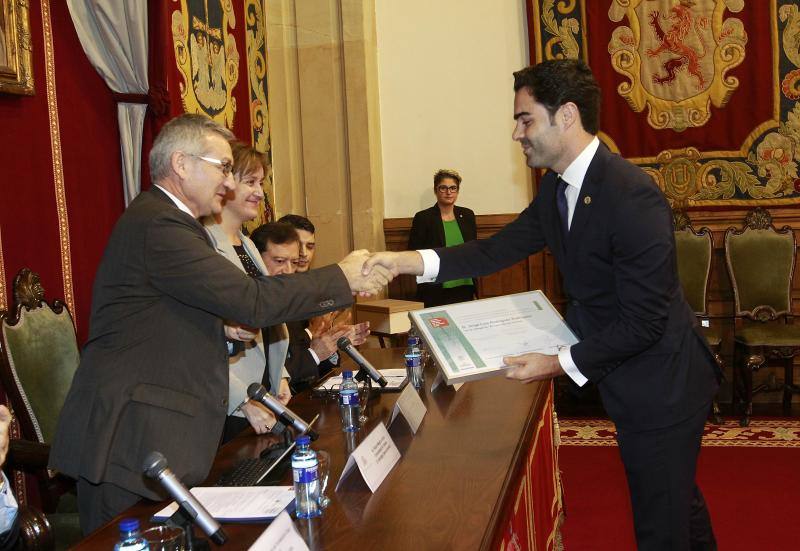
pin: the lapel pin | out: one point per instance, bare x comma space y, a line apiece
587, 200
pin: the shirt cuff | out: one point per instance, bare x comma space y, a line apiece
569, 367
8, 506
314, 356
430, 266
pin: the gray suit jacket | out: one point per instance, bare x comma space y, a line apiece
248, 365
154, 371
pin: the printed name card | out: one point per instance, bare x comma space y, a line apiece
281, 535
410, 405
374, 457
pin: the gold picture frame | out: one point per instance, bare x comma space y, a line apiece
16, 71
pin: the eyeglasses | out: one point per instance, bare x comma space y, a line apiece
226, 167
444, 189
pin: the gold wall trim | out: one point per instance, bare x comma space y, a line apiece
3, 299
58, 161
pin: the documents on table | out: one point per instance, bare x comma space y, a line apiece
238, 504
411, 407
281, 535
374, 457
469, 339
395, 379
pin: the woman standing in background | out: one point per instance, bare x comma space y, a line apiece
444, 225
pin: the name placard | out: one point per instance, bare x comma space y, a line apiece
281, 535
411, 407
374, 457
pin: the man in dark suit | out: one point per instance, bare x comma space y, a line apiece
609, 228
312, 343
445, 224
154, 371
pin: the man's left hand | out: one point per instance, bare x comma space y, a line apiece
532, 367
240, 333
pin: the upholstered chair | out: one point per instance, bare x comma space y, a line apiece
761, 262
694, 250
39, 358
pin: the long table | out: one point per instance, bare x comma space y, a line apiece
481, 473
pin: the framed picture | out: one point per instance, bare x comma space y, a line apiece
16, 73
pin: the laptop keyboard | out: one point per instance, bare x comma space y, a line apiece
250, 472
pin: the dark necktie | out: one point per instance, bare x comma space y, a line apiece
561, 204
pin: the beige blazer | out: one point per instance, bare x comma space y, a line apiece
248, 366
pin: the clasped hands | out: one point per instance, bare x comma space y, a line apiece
368, 273
526, 368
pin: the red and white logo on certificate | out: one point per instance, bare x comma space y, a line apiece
438, 322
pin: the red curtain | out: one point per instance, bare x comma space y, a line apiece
72, 140
61, 184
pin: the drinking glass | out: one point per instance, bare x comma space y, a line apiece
323, 470
165, 538
364, 390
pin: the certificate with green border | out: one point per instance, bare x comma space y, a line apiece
470, 339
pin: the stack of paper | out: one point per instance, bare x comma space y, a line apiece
238, 504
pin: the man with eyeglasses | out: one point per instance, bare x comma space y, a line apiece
444, 225
154, 372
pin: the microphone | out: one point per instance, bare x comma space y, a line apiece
155, 467
256, 391
347, 347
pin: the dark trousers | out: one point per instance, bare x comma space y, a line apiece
99, 503
669, 512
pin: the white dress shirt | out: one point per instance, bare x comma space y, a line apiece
573, 176
178, 203
8, 506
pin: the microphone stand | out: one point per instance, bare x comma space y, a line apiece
181, 520
363, 376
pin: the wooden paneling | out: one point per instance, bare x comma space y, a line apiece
522, 276
540, 272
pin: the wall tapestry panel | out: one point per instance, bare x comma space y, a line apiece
701, 93
216, 64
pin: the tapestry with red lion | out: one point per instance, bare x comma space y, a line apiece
702, 94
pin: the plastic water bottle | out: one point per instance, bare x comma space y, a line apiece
413, 357
130, 539
306, 479
423, 350
349, 406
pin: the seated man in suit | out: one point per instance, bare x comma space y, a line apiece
154, 372
279, 246
9, 521
312, 343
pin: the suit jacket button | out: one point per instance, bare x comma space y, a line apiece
574, 303
225, 402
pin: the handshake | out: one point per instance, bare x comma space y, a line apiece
368, 273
